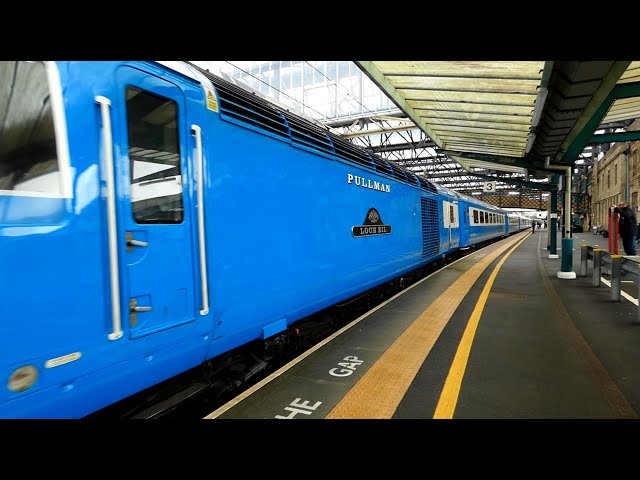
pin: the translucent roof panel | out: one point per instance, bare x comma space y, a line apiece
625, 108
631, 74
468, 106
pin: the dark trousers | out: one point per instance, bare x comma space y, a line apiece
629, 244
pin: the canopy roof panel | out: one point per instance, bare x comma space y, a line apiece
625, 108
532, 116
473, 106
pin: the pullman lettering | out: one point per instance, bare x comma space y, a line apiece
367, 183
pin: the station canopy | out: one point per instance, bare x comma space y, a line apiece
521, 116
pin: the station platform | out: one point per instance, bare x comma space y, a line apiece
494, 335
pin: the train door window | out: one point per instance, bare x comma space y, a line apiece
452, 216
154, 157
29, 156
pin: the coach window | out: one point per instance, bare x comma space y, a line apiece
475, 216
154, 157
29, 160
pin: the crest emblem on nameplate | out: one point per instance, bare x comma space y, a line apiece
372, 225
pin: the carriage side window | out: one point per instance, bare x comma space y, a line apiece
28, 155
475, 216
154, 157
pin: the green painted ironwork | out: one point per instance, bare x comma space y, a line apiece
596, 111
615, 137
567, 255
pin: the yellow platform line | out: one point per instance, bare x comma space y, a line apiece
377, 394
449, 395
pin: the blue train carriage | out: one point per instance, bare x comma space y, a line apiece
482, 221
449, 219
328, 220
153, 217
104, 296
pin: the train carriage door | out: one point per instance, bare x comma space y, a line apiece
451, 223
155, 223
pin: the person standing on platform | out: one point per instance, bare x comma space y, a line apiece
627, 227
533, 226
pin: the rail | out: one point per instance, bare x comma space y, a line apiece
612, 264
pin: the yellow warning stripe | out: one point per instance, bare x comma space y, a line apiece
377, 394
449, 395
